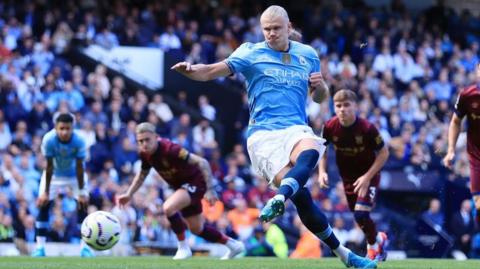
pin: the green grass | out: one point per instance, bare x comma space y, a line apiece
158, 262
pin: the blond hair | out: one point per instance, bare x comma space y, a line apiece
345, 95
145, 127
275, 11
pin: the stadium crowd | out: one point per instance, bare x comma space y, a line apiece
406, 68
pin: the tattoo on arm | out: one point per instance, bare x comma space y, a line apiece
204, 167
137, 182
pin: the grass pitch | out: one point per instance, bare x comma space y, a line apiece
162, 262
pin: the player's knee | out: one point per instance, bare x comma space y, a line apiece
195, 228
168, 210
476, 200
361, 216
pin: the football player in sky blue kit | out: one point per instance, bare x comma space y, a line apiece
283, 149
65, 152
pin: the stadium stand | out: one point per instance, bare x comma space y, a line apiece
407, 67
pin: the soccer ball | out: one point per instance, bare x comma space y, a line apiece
101, 230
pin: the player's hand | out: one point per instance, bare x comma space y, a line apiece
211, 196
182, 67
42, 200
123, 199
318, 88
316, 80
83, 201
323, 180
448, 160
361, 186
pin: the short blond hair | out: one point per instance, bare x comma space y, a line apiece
145, 127
275, 11
345, 95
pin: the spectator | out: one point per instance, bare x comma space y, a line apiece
106, 38
169, 40
434, 214
207, 110
462, 227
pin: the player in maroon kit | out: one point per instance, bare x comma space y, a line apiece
360, 154
468, 104
190, 176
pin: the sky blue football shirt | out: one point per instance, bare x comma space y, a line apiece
277, 83
64, 154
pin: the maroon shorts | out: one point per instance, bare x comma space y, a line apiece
474, 176
352, 197
196, 188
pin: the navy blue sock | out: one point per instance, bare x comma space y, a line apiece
367, 225
41, 224
297, 177
313, 218
81, 215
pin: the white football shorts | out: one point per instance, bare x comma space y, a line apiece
61, 185
270, 150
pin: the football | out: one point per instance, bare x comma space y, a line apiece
101, 230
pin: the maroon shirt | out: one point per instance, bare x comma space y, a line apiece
468, 104
355, 146
170, 161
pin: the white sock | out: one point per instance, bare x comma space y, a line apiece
342, 253
83, 244
374, 246
379, 238
279, 197
41, 241
183, 244
230, 242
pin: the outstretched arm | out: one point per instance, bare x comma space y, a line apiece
202, 72
138, 180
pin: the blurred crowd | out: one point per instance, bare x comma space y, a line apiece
406, 68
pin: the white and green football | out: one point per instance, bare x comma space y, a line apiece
101, 230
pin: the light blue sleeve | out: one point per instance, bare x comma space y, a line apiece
47, 146
315, 61
315, 65
239, 60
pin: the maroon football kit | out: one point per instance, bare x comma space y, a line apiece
170, 161
355, 147
468, 105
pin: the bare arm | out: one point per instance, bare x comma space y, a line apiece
322, 171
48, 175
380, 160
322, 167
204, 167
453, 132
202, 72
80, 173
137, 182
362, 183
318, 88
